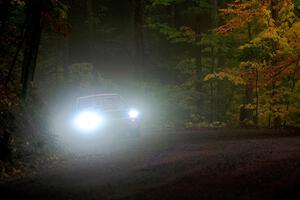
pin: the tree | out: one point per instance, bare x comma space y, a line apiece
195, 50
268, 58
34, 10
37, 14
138, 13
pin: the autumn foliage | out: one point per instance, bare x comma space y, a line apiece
270, 58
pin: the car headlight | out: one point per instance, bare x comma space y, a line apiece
133, 114
88, 121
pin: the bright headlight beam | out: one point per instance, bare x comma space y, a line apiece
133, 113
88, 121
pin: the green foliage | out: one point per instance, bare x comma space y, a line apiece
209, 69
182, 35
261, 52
258, 54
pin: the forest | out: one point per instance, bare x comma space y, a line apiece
185, 64
199, 63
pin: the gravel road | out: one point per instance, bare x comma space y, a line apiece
204, 164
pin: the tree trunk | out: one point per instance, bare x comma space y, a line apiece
173, 15
139, 38
256, 97
211, 118
91, 26
197, 54
35, 45
34, 11
294, 80
4, 16
215, 17
66, 61
274, 12
274, 9
247, 114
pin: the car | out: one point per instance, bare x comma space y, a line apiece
106, 113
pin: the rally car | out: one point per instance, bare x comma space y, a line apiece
106, 113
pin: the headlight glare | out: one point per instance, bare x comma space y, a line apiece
133, 114
88, 121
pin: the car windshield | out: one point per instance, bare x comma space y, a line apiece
104, 102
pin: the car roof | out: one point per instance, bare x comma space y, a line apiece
98, 95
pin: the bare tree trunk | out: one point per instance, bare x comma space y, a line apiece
34, 10
256, 96
173, 15
212, 87
247, 114
66, 62
35, 44
291, 90
199, 65
139, 38
91, 26
215, 13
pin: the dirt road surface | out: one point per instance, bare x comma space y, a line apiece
173, 165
